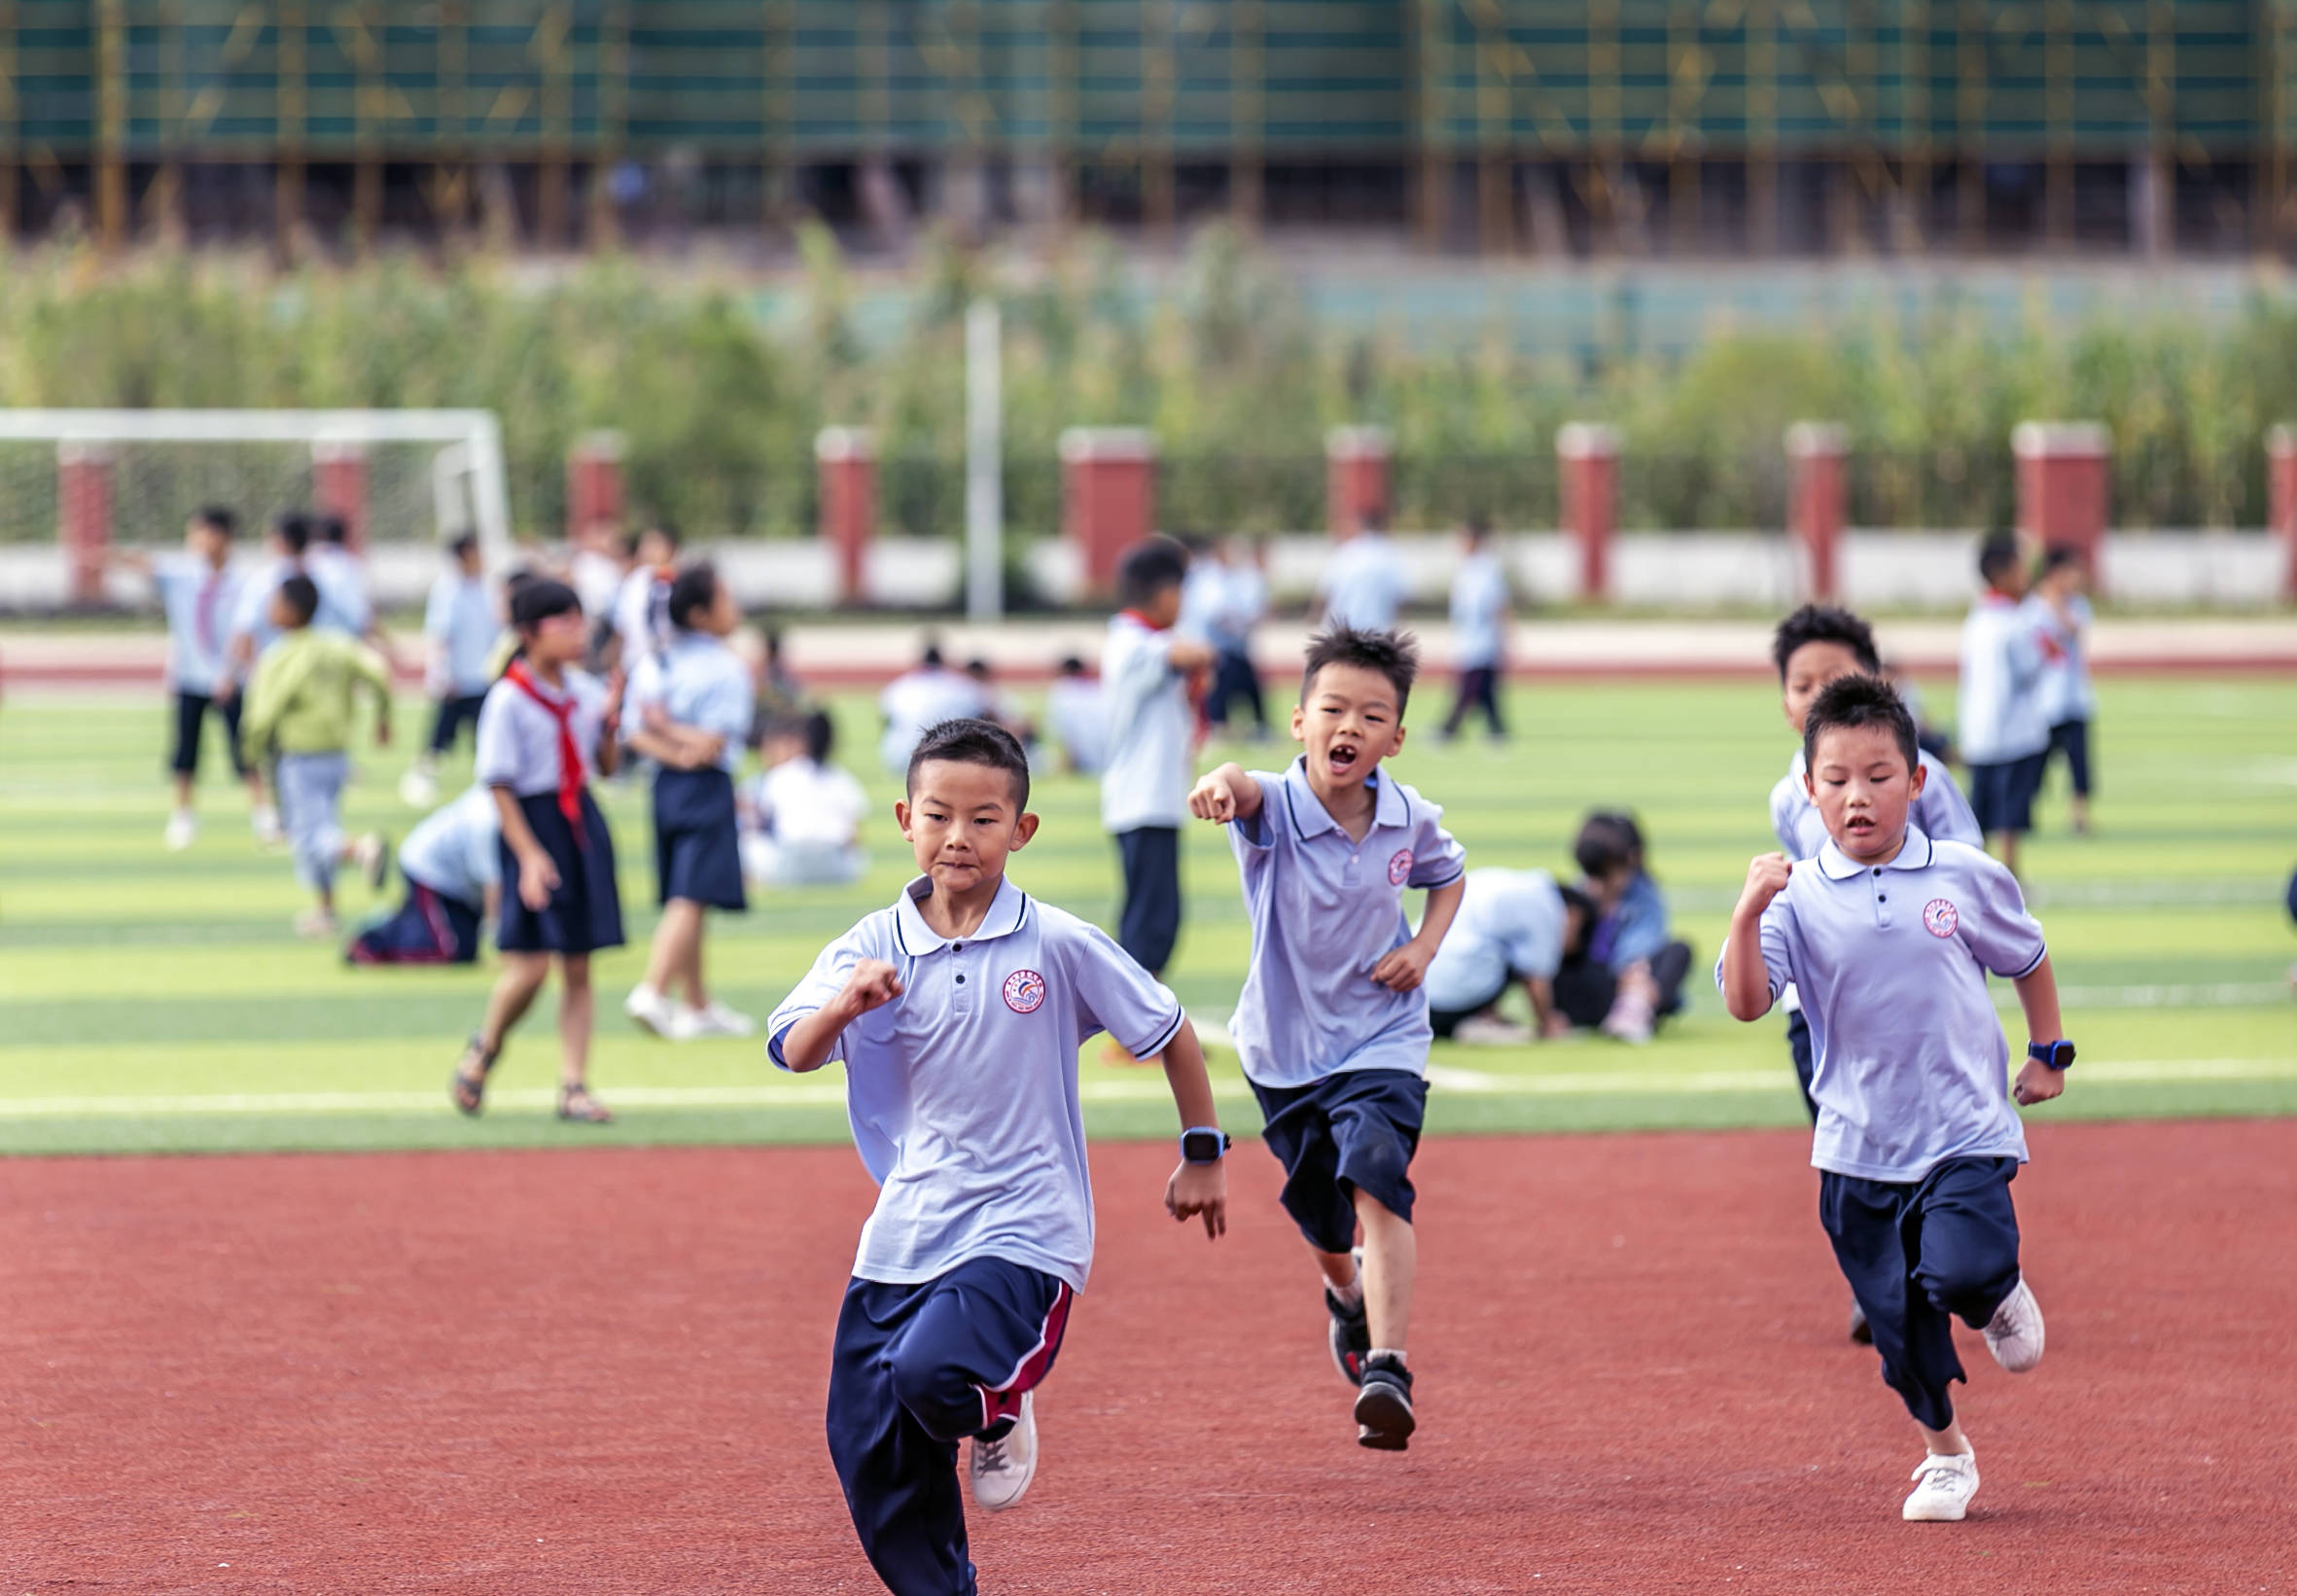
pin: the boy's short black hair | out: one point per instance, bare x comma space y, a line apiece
1849, 701
692, 589
1998, 553
1148, 568
2060, 555
1072, 666
821, 735
1608, 839
1393, 655
1372, 519
537, 600
1824, 624
302, 597
930, 659
973, 741
978, 669
222, 517
331, 529
292, 528
1478, 527
462, 544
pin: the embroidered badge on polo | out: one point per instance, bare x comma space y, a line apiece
1939, 918
1024, 991
1400, 868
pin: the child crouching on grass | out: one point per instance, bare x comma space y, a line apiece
546, 728
1889, 935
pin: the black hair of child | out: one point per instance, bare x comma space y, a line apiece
1825, 623
930, 659
692, 590
462, 544
1372, 519
537, 600
331, 529
1150, 567
973, 741
1393, 655
1857, 701
979, 669
1998, 555
2059, 556
820, 733
292, 528
223, 518
1072, 666
1608, 840
1478, 528
302, 597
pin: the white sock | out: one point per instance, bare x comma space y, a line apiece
1349, 1296
1396, 1353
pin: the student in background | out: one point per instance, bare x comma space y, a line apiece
2060, 606
916, 701
1074, 710
1928, 736
454, 876
998, 706
199, 590
1629, 975
1243, 606
642, 605
300, 713
802, 816
692, 705
1513, 927
1365, 581
596, 566
780, 694
1479, 630
1145, 671
2004, 723
460, 630
343, 602
251, 631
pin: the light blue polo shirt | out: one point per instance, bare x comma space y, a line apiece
453, 849
2068, 694
252, 619
2001, 716
699, 682
1479, 612
1151, 729
1910, 1067
961, 1091
1510, 926
200, 602
1366, 584
341, 580
460, 614
1941, 813
1326, 908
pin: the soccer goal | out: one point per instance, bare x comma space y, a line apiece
90, 481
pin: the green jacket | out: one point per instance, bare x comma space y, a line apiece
299, 700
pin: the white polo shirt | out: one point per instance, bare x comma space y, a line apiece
961, 1091
1941, 813
2003, 714
1909, 1066
697, 681
1152, 730
1325, 908
1510, 926
460, 614
915, 702
2066, 691
1479, 612
519, 738
453, 849
1366, 584
802, 804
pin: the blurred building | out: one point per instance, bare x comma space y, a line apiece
1608, 128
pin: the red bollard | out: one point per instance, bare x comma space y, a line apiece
594, 482
84, 516
1357, 471
846, 461
2061, 486
1818, 454
338, 486
1589, 455
1108, 497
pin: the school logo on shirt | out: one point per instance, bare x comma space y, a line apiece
1939, 918
1024, 991
1400, 868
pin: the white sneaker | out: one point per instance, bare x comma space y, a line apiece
1630, 1021
1002, 1469
651, 1011
418, 789
1942, 1489
314, 922
372, 853
264, 820
182, 827
2014, 1335
1480, 1032
715, 1019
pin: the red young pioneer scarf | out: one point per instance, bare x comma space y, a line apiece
570, 755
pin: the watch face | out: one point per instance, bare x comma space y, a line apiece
1201, 1147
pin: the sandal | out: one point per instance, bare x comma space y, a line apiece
468, 1089
577, 1104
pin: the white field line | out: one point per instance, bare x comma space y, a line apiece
825, 1094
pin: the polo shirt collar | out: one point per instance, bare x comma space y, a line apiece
1310, 817
1007, 910
1914, 856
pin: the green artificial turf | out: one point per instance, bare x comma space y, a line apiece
155, 1001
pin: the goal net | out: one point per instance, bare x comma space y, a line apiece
77, 482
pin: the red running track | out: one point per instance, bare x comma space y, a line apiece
603, 1372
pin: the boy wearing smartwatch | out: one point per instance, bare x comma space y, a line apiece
1889, 936
958, 1013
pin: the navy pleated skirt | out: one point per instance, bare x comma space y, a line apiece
584, 913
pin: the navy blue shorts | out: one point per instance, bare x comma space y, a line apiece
2002, 795
584, 913
2073, 739
451, 714
1355, 1131
697, 843
191, 710
429, 928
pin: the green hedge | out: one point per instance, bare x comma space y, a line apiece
720, 401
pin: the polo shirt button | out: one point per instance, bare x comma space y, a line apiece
1880, 897
961, 980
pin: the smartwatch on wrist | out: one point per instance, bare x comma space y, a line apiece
2055, 1055
1203, 1145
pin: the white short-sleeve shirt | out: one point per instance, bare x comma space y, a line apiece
460, 616
1366, 584
802, 804
1510, 927
1152, 730
200, 602
915, 702
697, 681
341, 580
1073, 708
1325, 909
961, 1091
1909, 1066
519, 738
252, 617
2002, 715
2066, 691
1479, 612
453, 849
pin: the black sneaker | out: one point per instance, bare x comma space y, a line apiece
1860, 1331
1383, 1419
1350, 1337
